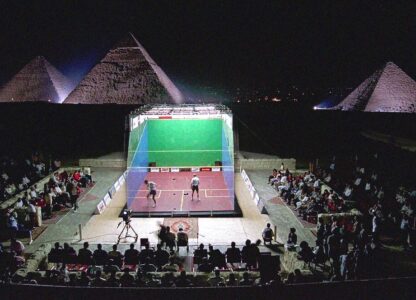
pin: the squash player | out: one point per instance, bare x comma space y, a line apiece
195, 186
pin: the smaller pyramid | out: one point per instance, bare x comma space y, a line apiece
37, 81
389, 89
126, 75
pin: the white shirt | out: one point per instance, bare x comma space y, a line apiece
195, 181
367, 186
151, 186
347, 192
357, 181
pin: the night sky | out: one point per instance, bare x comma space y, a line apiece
223, 44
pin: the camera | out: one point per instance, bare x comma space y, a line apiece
126, 215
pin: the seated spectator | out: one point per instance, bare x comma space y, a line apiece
167, 280
182, 281
139, 282
161, 257
182, 238
17, 246
152, 281
216, 258
69, 254
112, 281
292, 238
115, 257
249, 254
98, 281
273, 176
146, 252
298, 276
85, 255
131, 256
100, 256
205, 266
199, 254
56, 253
217, 279
267, 234
171, 266
246, 281
148, 266
233, 254
305, 253
231, 281
126, 280
84, 280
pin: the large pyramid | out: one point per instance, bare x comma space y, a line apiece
388, 89
126, 75
37, 81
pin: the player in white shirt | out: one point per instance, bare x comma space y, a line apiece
195, 186
151, 186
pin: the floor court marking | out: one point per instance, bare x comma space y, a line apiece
183, 193
208, 196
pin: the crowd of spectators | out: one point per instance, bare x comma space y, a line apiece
303, 192
17, 176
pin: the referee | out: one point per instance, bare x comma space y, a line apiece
195, 186
151, 186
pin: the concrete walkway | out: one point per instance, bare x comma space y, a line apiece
66, 229
279, 213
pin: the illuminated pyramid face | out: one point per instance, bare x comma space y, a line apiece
126, 75
389, 89
37, 81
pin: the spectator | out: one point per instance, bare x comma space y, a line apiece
84, 280
305, 253
98, 281
85, 255
199, 254
146, 252
231, 281
246, 281
205, 266
112, 281
267, 234
171, 266
161, 257
170, 238
148, 266
115, 257
292, 239
217, 279
233, 254
131, 256
182, 281
17, 246
126, 280
100, 256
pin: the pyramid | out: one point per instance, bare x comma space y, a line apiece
388, 89
126, 75
37, 81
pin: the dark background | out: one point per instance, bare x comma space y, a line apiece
224, 44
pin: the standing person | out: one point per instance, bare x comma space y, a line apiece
195, 186
151, 186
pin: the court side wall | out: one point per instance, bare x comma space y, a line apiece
227, 158
137, 170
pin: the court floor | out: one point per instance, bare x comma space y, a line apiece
174, 193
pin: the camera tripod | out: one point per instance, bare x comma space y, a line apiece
127, 227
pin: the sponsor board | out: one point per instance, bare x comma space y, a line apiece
154, 170
100, 207
174, 170
164, 170
193, 169
216, 169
